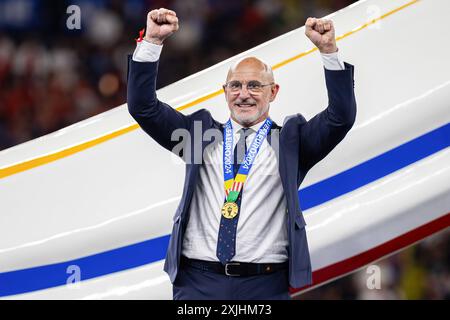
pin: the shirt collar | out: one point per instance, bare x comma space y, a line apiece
237, 126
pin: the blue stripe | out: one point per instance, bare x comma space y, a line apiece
375, 168
139, 254
37, 278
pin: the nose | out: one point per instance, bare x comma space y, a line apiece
243, 93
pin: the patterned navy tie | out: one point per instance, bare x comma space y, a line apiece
226, 242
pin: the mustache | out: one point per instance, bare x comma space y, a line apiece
244, 101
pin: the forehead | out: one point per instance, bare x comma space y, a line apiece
247, 75
250, 68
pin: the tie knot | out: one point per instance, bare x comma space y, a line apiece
245, 132
240, 148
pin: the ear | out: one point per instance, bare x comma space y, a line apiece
274, 91
225, 93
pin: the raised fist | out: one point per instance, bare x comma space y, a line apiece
161, 23
321, 33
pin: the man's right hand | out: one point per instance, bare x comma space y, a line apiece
161, 23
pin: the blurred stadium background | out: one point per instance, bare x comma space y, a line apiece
51, 77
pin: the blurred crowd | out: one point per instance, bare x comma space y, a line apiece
51, 77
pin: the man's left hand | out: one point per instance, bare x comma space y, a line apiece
321, 33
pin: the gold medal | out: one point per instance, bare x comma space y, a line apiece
230, 210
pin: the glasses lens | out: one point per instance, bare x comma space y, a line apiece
254, 86
234, 85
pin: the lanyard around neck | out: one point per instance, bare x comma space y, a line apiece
233, 185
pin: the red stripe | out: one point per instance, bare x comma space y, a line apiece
141, 35
345, 266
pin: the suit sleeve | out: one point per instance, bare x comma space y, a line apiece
156, 118
325, 130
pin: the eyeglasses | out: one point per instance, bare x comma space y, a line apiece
253, 86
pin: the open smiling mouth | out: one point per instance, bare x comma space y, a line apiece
245, 105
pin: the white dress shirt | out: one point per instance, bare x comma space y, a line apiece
262, 227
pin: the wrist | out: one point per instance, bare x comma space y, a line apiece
328, 49
156, 41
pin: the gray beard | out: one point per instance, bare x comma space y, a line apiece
246, 120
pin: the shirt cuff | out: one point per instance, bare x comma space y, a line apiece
332, 61
147, 52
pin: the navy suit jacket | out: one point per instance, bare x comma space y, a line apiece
301, 145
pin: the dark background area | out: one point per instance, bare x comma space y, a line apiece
51, 77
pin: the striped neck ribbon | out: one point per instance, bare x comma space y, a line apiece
233, 185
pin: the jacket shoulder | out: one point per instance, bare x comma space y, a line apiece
204, 116
293, 120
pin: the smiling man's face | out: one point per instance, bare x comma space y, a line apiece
249, 106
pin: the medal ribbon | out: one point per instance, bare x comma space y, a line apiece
233, 185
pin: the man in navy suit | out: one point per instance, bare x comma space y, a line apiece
239, 232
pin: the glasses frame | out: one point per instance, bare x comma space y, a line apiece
226, 86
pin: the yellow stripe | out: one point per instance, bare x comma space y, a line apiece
29, 164
200, 100
345, 34
228, 184
39, 161
240, 177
